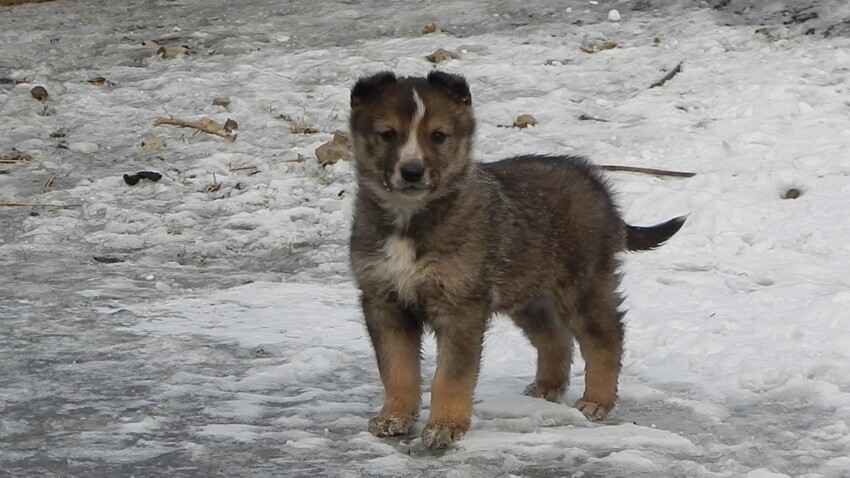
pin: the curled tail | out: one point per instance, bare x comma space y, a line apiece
646, 238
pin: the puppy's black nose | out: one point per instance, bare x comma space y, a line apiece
412, 172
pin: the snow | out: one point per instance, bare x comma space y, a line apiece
219, 333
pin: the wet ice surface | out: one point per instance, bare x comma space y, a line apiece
221, 337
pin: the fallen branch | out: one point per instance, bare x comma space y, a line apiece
49, 183
652, 171
669, 76
20, 204
206, 125
18, 158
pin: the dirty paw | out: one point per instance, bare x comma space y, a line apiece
391, 425
552, 394
441, 435
593, 410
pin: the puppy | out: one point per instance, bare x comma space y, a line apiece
442, 242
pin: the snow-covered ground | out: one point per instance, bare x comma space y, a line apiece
218, 334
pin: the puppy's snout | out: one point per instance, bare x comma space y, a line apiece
412, 172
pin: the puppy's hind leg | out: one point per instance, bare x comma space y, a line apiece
598, 327
547, 331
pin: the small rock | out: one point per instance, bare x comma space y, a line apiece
429, 28
524, 121
39, 93
153, 144
339, 148
792, 193
441, 55
230, 125
613, 16
84, 147
222, 101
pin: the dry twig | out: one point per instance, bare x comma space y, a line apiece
49, 183
206, 125
669, 76
242, 168
20, 204
652, 171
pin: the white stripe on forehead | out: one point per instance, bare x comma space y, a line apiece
420, 109
411, 149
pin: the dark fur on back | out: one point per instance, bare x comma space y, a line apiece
441, 241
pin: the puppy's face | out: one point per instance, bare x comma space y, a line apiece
411, 136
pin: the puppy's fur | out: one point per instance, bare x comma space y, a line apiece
442, 242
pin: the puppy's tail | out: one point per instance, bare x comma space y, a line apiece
646, 238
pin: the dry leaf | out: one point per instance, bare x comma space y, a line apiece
153, 144
441, 55
297, 127
524, 121
169, 52
99, 80
608, 45
339, 148
429, 28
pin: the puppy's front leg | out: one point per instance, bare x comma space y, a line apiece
397, 337
460, 335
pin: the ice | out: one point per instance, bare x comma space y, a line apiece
174, 328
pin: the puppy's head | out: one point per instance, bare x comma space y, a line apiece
411, 135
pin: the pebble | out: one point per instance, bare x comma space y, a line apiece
613, 16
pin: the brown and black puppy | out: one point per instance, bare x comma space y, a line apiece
441, 242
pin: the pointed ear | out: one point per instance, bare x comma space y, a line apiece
368, 87
453, 85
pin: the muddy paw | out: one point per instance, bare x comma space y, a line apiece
593, 410
388, 426
441, 435
552, 394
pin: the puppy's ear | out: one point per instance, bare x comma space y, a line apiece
369, 87
453, 85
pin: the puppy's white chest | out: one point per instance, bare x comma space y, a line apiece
400, 268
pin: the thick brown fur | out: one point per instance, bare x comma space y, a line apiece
442, 242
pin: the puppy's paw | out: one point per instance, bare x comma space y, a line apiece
440, 435
537, 390
391, 425
593, 410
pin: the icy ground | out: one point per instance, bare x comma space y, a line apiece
218, 333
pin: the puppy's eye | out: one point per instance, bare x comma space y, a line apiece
438, 137
388, 136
